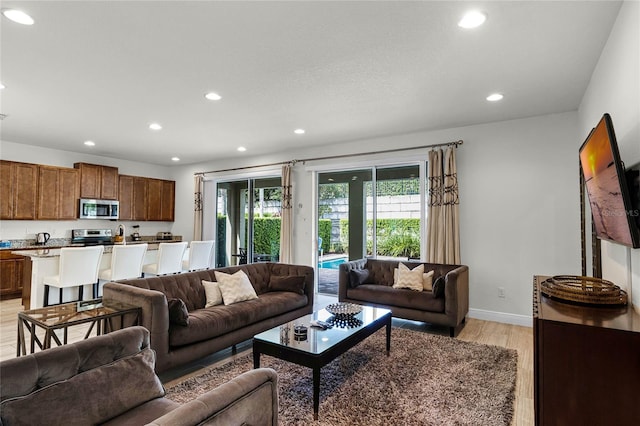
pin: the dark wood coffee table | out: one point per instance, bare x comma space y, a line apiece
321, 346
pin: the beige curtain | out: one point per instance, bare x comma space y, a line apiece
443, 228
286, 216
197, 208
434, 207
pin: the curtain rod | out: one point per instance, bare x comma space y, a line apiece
333, 157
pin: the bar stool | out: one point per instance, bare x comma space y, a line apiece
169, 259
199, 256
78, 267
126, 262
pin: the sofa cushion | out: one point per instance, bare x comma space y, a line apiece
178, 313
358, 277
385, 295
235, 287
128, 382
427, 281
409, 278
215, 321
294, 283
212, 293
144, 414
438, 288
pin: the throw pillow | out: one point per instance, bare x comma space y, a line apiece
358, 277
212, 293
438, 288
292, 283
235, 287
411, 279
178, 313
126, 383
427, 281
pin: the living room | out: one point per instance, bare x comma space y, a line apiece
518, 176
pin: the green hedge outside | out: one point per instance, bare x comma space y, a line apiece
395, 237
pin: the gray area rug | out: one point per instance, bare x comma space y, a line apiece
427, 380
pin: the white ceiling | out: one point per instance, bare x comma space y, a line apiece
343, 71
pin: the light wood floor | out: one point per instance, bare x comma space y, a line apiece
491, 333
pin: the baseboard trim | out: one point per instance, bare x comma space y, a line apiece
515, 319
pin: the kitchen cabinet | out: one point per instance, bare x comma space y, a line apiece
98, 182
11, 275
146, 199
125, 196
139, 198
161, 200
18, 196
168, 201
586, 362
58, 193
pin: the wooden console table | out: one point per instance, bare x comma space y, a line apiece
586, 363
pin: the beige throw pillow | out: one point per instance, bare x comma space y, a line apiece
235, 287
409, 278
212, 293
427, 281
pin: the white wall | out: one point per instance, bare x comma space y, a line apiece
615, 88
25, 229
519, 202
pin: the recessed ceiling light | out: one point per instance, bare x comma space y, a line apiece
472, 19
1, 86
89, 143
494, 97
299, 131
18, 16
175, 159
242, 149
155, 126
213, 96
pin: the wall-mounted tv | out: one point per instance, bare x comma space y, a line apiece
612, 209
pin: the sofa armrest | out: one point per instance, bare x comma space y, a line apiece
343, 275
155, 311
251, 398
456, 293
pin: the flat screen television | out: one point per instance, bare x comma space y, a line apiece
612, 208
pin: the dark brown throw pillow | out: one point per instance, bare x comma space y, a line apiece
358, 276
178, 313
438, 288
293, 283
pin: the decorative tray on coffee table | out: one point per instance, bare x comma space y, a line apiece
343, 309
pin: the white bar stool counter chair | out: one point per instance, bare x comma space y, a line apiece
78, 267
169, 259
126, 262
199, 256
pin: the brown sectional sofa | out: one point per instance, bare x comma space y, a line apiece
449, 310
110, 380
217, 327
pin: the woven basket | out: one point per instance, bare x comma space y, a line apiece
585, 290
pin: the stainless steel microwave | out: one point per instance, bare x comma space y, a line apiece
99, 209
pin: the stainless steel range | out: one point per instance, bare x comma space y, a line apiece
91, 237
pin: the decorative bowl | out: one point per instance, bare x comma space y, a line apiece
343, 309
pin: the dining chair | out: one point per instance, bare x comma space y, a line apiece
78, 266
169, 259
199, 256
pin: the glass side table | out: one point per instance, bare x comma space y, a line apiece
102, 318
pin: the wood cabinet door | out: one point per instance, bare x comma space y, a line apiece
89, 180
68, 193
25, 191
48, 188
6, 190
154, 200
7, 276
125, 196
139, 198
109, 183
168, 200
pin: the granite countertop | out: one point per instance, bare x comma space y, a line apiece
53, 246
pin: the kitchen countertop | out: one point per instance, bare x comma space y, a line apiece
30, 247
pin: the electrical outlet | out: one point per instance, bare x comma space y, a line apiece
501, 293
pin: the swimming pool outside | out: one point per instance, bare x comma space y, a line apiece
332, 264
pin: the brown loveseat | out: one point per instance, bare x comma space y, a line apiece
214, 328
110, 380
450, 309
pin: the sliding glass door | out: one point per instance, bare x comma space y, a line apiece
373, 212
247, 221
